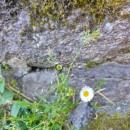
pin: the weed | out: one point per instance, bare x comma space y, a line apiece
49, 115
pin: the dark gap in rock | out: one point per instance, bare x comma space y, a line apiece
34, 69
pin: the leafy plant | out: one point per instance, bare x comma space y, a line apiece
50, 115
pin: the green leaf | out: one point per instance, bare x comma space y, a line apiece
6, 97
15, 108
102, 81
47, 107
22, 125
97, 107
55, 127
2, 84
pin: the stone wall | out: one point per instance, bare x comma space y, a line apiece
25, 49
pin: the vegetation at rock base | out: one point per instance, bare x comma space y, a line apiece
50, 115
56, 11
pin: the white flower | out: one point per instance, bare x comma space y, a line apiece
86, 94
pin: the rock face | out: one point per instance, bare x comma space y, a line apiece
18, 66
29, 53
117, 77
40, 83
81, 115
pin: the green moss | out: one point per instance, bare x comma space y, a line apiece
44, 12
91, 64
22, 33
113, 122
70, 25
125, 16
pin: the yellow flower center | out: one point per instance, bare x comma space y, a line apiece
86, 93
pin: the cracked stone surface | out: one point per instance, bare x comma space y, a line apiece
40, 82
19, 67
27, 54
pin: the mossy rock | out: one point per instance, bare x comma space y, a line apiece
110, 122
42, 12
125, 16
91, 64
